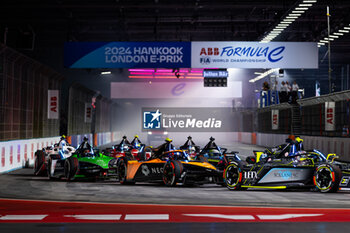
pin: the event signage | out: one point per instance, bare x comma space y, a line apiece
330, 116
218, 73
127, 54
88, 113
213, 54
274, 119
282, 55
189, 119
53, 107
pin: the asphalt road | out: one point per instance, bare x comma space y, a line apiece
22, 184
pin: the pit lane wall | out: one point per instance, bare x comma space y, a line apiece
337, 145
17, 154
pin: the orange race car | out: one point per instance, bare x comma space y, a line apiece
172, 167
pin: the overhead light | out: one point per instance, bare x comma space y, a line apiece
344, 31
302, 8
324, 41
319, 43
338, 34
331, 39
347, 28
292, 14
303, 5
309, 1
289, 20
333, 36
281, 27
291, 17
263, 75
298, 11
106, 72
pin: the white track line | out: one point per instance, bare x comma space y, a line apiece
147, 217
95, 216
286, 216
23, 217
223, 216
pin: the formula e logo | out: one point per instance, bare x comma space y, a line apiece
145, 170
205, 60
151, 120
250, 175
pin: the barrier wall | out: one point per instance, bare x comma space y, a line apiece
19, 153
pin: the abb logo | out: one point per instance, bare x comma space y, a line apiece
209, 51
11, 155
18, 153
25, 152
330, 116
53, 103
275, 119
3, 157
88, 112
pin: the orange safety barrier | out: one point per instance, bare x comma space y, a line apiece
254, 138
69, 139
95, 140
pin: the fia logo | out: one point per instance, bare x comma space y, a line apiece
151, 120
205, 60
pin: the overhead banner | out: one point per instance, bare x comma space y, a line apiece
127, 54
88, 113
274, 119
53, 104
213, 54
284, 55
157, 90
330, 116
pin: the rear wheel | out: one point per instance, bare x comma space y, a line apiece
123, 171
71, 168
39, 163
172, 171
233, 176
327, 178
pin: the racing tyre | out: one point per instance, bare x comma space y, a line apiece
123, 171
172, 171
71, 166
233, 176
327, 178
39, 163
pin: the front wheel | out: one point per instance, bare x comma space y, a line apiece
327, 178
172, 171
233, 176
71, 166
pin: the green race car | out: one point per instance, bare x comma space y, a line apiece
88, 163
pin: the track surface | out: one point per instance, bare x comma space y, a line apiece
21, 184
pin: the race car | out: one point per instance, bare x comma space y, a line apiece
42, 156
87, 163
134, 149
172, 167
216, 155
191, 148
305, 169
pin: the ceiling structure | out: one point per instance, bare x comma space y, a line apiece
52, 23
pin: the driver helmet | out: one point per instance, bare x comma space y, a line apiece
298, 139
168, 140
63, 137
136, 136
213, 151
85, 139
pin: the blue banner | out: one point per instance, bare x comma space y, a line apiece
127, 54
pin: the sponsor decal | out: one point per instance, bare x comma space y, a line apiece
275, 118
330, 116
157, 170
344, 181
145, 170
285, 174
53, 98
88, 113
250, 175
